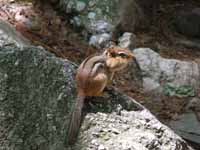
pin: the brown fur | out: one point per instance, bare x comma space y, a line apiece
94, 73
116, 62
91, 79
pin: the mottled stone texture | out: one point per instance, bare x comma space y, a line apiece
36, 94
158, 71
128, 127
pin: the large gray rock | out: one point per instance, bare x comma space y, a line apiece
37, 92
175, 78
130, 130
157, 71
136, 129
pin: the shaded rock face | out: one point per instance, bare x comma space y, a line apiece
188, 127
157, 71
188, 124
36, 94
188, 23
194, 105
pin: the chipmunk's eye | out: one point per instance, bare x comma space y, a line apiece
123, 55
113, 54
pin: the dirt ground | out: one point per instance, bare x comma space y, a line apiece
51, 30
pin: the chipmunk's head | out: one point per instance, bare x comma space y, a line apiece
118, 58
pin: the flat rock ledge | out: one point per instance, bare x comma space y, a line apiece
129, 126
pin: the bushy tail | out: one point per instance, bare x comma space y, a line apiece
75, 120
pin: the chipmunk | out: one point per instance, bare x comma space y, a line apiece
117, 59
94, 73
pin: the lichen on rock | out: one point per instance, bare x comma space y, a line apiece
36, 94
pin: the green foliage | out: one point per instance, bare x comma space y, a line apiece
179, 91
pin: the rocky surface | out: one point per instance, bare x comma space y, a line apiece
37, 93
29, 122
127, 40
136, 129
194, 105
188, 124
158, 72
9, 36
100, 40
173, 78
130, 130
